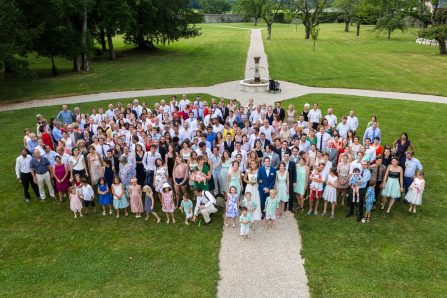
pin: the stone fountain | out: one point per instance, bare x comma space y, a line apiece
255, 84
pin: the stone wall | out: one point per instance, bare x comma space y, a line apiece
427, 42
223, 18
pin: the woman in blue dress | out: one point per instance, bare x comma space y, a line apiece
225, 163
234, 178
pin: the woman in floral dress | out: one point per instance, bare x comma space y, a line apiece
343, 177
160, 177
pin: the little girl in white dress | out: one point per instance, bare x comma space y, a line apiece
414, 194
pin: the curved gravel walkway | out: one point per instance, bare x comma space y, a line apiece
268, 264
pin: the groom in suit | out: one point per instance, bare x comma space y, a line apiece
266, 180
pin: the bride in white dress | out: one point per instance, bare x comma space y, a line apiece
251, 178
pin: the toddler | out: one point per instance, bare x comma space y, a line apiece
186, 208
244, 220
354, 182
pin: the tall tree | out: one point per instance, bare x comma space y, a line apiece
114, 16
15, 38
437, 27
393, 13
270, 9
252, 9
311, 11
347, 10
215, 6
160, 22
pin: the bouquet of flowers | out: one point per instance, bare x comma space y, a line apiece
253, 180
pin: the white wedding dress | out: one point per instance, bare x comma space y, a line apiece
253, 189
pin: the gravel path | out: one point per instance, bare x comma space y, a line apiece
256, 49
227, 90
268, 264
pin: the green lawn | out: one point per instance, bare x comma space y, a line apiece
218, 55
45, 252
396, 255
367, 62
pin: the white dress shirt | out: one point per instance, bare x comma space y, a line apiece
22, 165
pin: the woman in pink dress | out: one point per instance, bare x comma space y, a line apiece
60, 173
136, 205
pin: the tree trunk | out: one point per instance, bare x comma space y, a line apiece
8, 68
389, 34
53, 67
442, 46
256, 21
85, 62
269, 30
347, 22
307, 28
111, 49
313, 48
102, 36
358, 29
77, 63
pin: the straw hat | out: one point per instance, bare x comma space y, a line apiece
166, 185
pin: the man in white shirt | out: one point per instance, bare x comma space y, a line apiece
137, 108
64, 156
203, 150
217, 127
372, 133
353, 122
331, 118
343, 127
110, 113
322, 138
24, 176
205, 205
164, 107
183, 102
186, 131
253, 137
357, 163
238, 150
304, 144
102, 148
314, 116
149, 159
192, 122
267, 130
255, 115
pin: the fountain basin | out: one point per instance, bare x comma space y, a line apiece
249, 85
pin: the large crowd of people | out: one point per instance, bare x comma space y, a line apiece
263, 160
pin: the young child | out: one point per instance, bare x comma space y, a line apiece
108, 173
88, 195
119, 197
104, 196
149, 203
75, 202
136, 206
354, 182
186, 208
271, 206
316, 189
369, 201
330, 192
167, 202
244, 220
251, 207
232, 209
414, 194
78, 184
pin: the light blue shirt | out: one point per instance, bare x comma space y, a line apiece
65, 116
366, 176
215, 160
51, 156
372, 133
411, 165
57, 134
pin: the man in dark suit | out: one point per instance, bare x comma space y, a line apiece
229, 144
291, 168
225, 111
332, 152
264, 141
280, 111
266, 180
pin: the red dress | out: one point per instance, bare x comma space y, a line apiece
46, 139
